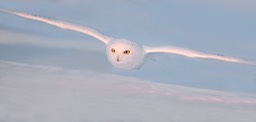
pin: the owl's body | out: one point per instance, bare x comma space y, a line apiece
126, 54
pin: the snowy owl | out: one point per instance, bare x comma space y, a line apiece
126, 54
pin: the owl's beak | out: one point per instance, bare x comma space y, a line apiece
117, 59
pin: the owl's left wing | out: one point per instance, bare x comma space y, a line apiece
194, 54
63, 25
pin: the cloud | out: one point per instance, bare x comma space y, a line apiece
16, 38
19, 64
31, 93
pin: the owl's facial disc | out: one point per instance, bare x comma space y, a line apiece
121, 54
125, 54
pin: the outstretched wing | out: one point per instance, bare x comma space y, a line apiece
194, 54
63, 25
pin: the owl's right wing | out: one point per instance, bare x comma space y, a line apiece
63, 25
194, 54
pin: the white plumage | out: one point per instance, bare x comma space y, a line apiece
126, 54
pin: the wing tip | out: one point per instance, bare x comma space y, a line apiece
252, 63
8, 11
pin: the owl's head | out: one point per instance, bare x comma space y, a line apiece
125, 54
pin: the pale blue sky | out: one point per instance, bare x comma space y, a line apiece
210, 26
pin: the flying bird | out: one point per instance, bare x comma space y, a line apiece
127, 54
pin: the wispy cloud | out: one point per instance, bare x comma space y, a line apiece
15, 38
19, 64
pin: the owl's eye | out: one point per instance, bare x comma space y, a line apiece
113, 50
127, 52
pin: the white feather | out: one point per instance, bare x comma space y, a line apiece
194, 54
